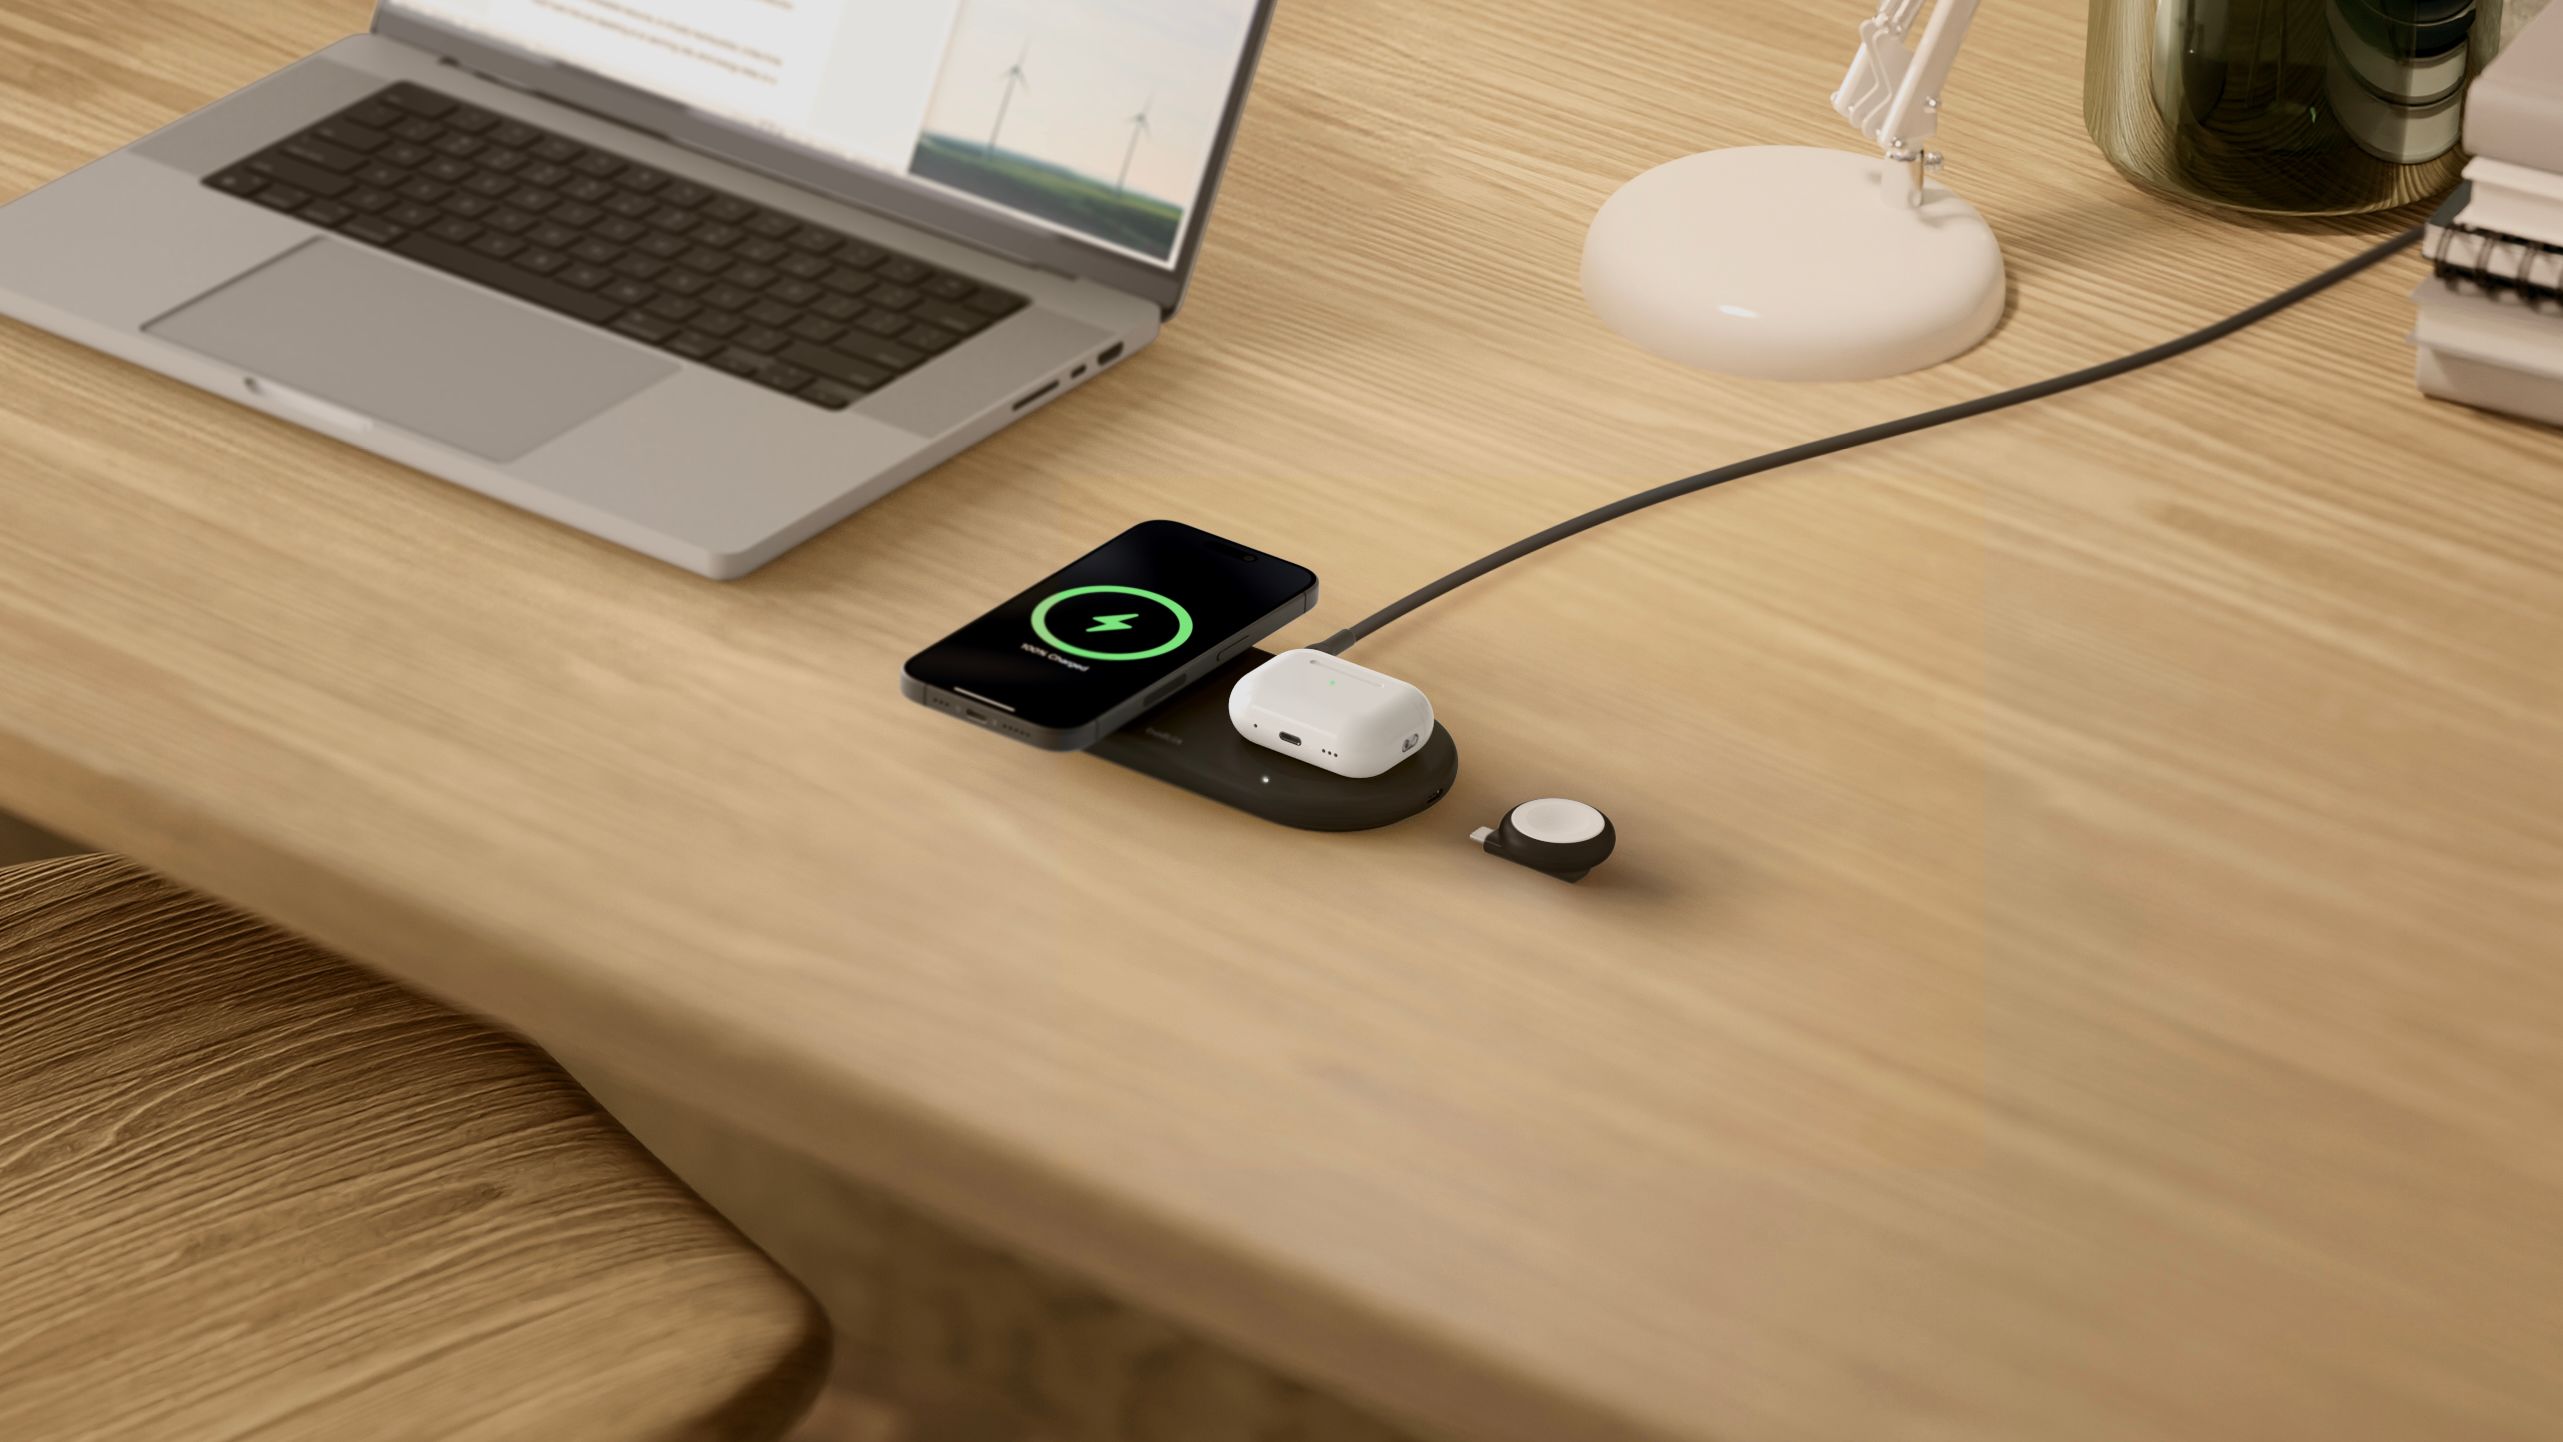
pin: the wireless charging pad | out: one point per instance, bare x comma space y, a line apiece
1188, 742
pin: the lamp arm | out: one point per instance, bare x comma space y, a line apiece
1892, 95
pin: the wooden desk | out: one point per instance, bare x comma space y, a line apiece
2083, 958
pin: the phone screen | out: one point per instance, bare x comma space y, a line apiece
1101, 631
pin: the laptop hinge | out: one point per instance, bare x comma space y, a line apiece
619, 122
639, 100
643, 102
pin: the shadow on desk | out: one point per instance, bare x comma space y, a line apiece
22, 842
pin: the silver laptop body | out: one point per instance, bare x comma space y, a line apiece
671, 455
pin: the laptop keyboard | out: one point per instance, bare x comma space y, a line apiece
798, 308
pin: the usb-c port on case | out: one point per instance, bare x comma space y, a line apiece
1286, 736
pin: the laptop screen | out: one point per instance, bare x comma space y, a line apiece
1097, 118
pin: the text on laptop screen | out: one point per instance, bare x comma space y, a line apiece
1092, 117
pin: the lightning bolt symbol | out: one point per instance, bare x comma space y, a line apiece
1113, 623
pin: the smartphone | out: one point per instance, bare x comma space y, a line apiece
1089, 648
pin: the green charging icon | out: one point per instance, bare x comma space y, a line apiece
1106, 622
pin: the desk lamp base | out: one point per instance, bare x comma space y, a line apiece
1787, 262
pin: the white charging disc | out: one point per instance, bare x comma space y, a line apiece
1556, 820
1788, 262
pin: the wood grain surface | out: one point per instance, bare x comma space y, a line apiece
2081, 958
941, 1337
248, 1191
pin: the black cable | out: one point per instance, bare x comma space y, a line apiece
1885, 430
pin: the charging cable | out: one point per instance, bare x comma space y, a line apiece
1886, 430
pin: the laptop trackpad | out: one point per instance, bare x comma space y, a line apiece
413, 349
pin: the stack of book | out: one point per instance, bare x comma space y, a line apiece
2491, 322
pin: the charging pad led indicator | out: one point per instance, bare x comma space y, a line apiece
1083, 613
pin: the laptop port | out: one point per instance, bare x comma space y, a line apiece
1036, 395
1110, 354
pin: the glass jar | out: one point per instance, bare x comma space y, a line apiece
2300, 107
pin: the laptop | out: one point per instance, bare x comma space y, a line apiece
700, 277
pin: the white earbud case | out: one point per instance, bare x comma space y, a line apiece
1330, 713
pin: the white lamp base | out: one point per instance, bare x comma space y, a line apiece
1792, 263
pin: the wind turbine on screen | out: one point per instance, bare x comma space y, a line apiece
1013, 81
1138, 127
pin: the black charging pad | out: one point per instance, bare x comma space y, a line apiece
1188, 742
